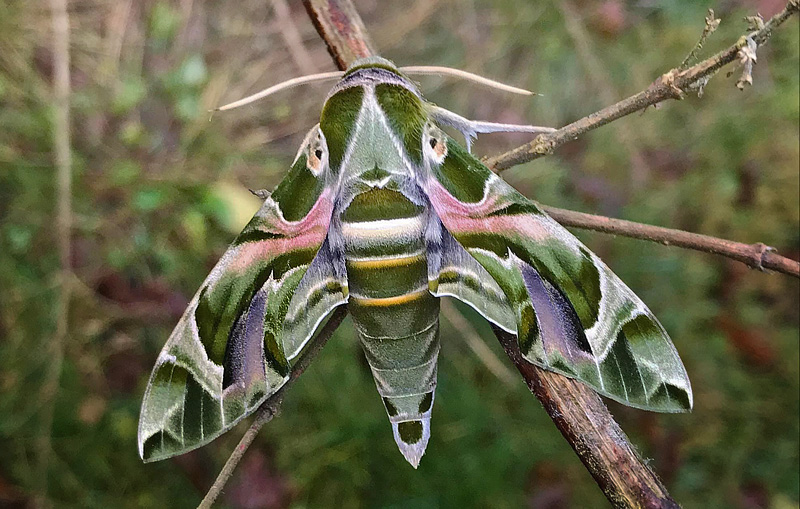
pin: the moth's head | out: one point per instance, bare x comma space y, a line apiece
372, 71
372, 63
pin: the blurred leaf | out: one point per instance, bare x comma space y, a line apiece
194, 224
192, 72
133, 134
240, 204
131, 91
19, 238
164, 23
125, 172
187, 107
150, 199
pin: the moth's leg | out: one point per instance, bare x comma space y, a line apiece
471, 128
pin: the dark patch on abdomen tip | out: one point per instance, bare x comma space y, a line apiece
410, 431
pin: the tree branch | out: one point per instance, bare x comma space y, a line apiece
340, 26
575, 409
271, 406
758, 256
583, 419
674, 84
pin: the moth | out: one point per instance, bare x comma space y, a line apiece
384, 213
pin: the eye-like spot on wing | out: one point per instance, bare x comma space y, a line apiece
297, 195
436, 146
315, 153
314, 161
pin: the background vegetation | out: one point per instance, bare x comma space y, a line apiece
159, 191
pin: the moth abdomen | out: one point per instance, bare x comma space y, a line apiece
395, 315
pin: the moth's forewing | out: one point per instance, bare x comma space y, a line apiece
227, 354
479, 240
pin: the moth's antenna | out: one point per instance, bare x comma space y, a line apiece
458, 73
302, 80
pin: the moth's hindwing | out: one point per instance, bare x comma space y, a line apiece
571, 314
229, 351
458, 274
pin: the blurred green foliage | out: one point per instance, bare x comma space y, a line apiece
159, 191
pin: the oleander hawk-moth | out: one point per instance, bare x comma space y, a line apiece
384, 213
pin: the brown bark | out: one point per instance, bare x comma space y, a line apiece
582, 417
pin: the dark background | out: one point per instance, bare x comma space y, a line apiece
159, 191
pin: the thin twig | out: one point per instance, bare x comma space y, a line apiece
712, 23
292, 38
63, 159
757, 256
600, 77
674, 84
583, 419
270, 407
